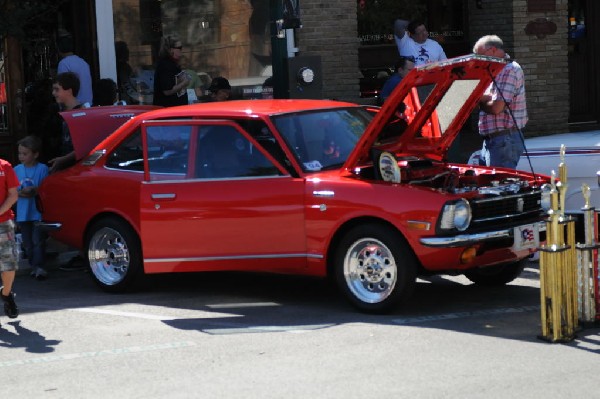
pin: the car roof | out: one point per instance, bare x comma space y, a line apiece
244, 108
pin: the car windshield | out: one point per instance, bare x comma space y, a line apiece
323, 139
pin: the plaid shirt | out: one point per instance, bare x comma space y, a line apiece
511, 82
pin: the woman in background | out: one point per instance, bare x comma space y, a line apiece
170, 82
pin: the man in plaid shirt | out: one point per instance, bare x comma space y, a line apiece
502, 139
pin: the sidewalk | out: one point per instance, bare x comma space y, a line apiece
57, 254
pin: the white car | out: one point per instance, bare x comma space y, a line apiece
582, 157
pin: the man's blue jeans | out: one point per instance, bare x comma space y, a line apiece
503, 151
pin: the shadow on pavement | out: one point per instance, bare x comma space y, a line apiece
236, 303
32, 341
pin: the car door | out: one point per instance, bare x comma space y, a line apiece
212, 200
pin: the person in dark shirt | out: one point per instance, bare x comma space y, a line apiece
402, 67
170, 81
64, 90
105, 92
219, 90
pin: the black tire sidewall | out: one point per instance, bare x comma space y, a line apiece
132, 276
497, 275
403, 257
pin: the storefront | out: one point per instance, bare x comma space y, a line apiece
236, 39
120, 40
220, 38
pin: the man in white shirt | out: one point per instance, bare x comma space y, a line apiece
72, 63
413, 40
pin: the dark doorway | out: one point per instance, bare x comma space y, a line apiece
584, 37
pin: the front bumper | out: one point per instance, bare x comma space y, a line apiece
464, 240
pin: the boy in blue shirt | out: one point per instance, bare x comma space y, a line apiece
30, 174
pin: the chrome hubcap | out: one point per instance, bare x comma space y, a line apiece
370, 270
109, 256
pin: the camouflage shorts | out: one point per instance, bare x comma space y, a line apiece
8, 247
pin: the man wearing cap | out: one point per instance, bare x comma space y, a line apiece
219, 89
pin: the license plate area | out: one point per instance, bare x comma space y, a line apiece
526, 237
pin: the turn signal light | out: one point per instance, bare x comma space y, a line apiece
468, 255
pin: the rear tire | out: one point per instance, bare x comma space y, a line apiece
114, 255
496, 275
375, 268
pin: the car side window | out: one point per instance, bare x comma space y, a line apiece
128, 155
223, 152
168, 149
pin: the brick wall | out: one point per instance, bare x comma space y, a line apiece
544, 60
330, 31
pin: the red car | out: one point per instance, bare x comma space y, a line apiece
309, 187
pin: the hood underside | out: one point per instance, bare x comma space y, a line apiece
427, 110
89, 126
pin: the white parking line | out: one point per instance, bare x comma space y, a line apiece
125, 314
463, 315
242, 305
100, 353
263, 329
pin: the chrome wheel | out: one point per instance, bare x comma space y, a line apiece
370, 270
109, 256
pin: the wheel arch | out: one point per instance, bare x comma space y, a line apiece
104, 215
350, 224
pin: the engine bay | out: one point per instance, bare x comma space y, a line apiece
454, 179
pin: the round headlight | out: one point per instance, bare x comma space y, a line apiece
462, 215
545, 198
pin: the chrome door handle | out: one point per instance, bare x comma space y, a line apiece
166, 196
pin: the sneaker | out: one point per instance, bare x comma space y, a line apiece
40, 274
10, 307
76, 263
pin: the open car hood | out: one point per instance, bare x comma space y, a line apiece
438, 98
89, 126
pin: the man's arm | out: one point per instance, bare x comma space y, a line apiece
62, 162
505, 86
490, 106
10, 200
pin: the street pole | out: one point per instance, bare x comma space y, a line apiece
278, 50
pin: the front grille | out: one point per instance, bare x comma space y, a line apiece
506, 209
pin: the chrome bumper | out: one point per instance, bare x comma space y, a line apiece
464, 240
47, 226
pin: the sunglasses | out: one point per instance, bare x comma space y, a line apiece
177, 47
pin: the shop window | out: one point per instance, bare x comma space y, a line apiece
225, 38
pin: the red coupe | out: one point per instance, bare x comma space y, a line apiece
312, 187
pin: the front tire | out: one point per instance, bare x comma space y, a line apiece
375, 268
496, 275
114, 255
